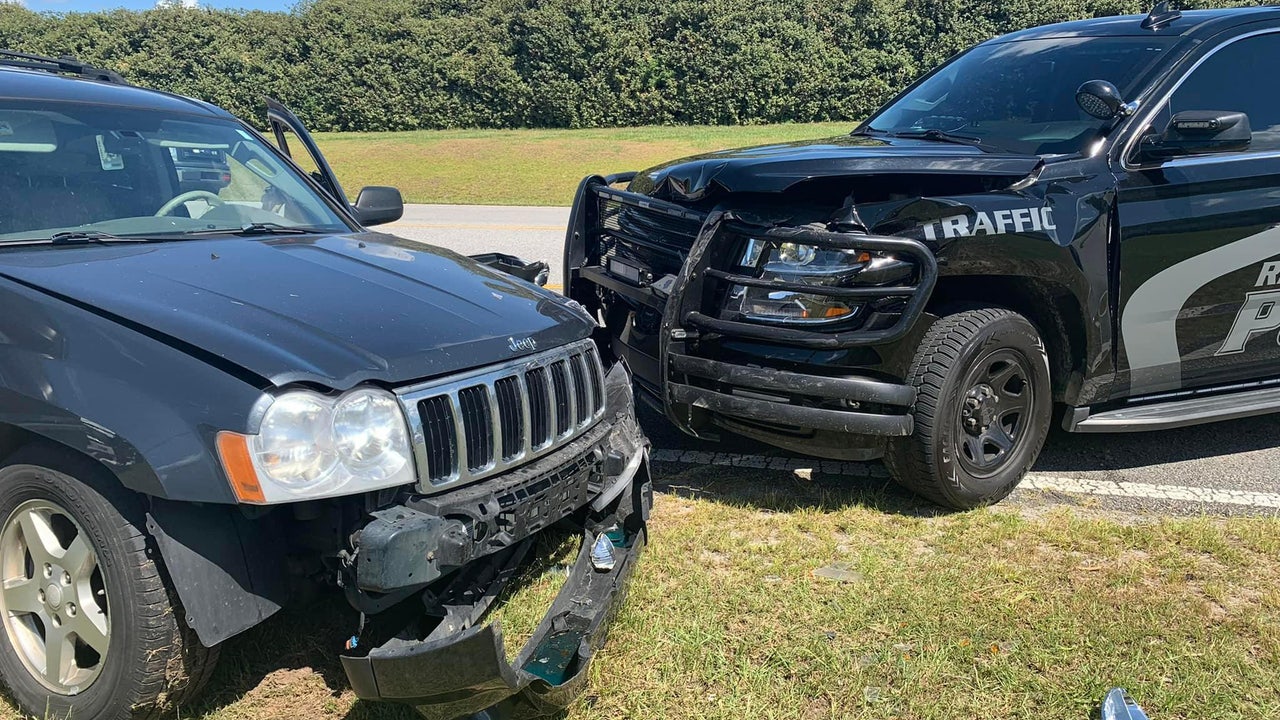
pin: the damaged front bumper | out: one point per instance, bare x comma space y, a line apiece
670, 268
436, 656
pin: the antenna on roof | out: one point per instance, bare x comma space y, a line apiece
1160, 16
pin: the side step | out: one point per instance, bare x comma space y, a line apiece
1177, 413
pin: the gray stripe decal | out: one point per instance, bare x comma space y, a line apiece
1149, 322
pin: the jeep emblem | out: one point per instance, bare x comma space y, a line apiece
523, 344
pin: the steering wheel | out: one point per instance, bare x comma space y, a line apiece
174, 204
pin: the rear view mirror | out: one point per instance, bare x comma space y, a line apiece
377, 205
1199, 132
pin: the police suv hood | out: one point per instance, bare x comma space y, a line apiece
335, 310
776, 168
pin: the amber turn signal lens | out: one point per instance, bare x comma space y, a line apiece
233, 448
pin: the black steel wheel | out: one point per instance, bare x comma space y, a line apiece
982, 409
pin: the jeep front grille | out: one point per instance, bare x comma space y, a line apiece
470, 426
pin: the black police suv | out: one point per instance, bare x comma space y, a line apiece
1075, 221
211, 395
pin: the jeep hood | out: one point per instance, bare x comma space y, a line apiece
335, 310
777, 168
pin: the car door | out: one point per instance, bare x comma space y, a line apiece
303, 150
1199, 250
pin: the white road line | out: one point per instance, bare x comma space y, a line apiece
1034, 481
1077, 486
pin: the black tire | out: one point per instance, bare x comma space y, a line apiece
969, 405
152, 663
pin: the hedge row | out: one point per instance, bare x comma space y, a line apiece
406, 64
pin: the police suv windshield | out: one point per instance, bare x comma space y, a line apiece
141, 173
1020, 96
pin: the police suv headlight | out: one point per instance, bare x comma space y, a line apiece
312, 446
796, 267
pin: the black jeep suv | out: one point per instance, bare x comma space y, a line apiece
1080, 215
208, 395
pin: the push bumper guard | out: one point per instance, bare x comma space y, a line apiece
459, 667
694, 379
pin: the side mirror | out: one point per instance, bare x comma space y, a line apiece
1199, 132
1119, 706
377, 205
1102, 100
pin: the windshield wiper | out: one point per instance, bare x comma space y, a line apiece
937, 136
84, 237
259, 228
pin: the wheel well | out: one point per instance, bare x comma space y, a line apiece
14, 438
1051, 307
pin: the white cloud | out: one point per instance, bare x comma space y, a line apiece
177, 3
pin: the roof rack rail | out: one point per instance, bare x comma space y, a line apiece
63, 65
1160, 16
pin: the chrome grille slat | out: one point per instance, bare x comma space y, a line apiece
512, 412
495, 422
562, 398
581, 391
459, 434
476, 424
540, 396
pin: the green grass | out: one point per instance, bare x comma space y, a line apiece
528, 167
1016, 613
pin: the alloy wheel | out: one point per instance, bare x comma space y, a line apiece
53, 600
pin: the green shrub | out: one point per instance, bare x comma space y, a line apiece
409, 64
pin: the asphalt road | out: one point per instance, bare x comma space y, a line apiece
1224, 468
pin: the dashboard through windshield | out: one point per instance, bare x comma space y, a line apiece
142, 173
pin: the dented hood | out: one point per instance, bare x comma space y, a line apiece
776, 168
330, 310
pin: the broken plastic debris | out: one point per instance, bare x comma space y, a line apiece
840, 572
602, 554
1004, 648
872, 694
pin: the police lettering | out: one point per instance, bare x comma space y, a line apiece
999, 222
1257, 315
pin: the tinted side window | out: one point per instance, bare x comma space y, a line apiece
1240, 77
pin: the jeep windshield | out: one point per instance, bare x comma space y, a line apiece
98, 171
1019, 96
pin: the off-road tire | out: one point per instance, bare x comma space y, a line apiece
154, 662
927, 462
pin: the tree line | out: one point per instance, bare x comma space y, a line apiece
374, 65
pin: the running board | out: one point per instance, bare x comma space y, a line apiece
1176, 413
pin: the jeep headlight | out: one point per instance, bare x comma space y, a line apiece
797, 267
312, 446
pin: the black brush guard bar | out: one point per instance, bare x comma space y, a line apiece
686, 322
686, 296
